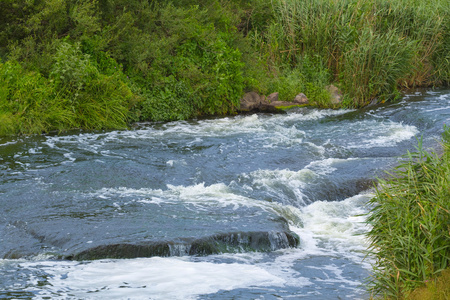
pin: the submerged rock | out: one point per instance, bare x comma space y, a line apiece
130, 223
233, 242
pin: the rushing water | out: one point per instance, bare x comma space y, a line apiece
249, 207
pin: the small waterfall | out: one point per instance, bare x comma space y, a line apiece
179, 249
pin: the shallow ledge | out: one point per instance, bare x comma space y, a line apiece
235, 242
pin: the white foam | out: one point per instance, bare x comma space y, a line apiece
213, 128
69, 157
272, 129
156, 278
172, 162
438, 109
202, 196
444, 97
274, 180
8, 143
381, 134
35, 150
338, 277
335, 227
324, 227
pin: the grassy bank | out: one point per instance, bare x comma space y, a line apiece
410, 219
101, 64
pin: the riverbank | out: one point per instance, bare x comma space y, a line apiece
106, 64
410, 218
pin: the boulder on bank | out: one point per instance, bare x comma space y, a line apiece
301, 99
336, 94
250, 102
253, 102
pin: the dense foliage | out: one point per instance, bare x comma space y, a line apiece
410, 222
106, 63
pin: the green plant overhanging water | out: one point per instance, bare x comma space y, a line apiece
410, 219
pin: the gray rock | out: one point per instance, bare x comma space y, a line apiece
254, 102
373, 102
336, 94
272, 97
251, 101
301, 99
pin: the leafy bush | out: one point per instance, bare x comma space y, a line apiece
169, 60
189, 59
98, 101
167, 104
76, 95
29, 103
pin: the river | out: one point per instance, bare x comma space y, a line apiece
262, 206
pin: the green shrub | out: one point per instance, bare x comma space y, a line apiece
76, 95
168, 104
190, 59
29, 103
98, 101
208, 53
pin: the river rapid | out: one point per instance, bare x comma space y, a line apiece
262, 206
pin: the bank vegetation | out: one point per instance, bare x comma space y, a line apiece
104, 64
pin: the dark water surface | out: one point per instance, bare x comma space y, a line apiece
246, 207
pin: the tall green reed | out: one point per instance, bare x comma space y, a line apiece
410, 219
371, 47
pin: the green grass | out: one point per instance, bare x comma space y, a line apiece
410, 219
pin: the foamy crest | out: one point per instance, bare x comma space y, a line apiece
281, 183
8, 143
275, 130
200, 196
312, 114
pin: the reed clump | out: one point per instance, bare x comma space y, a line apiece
410, 219
372, 48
